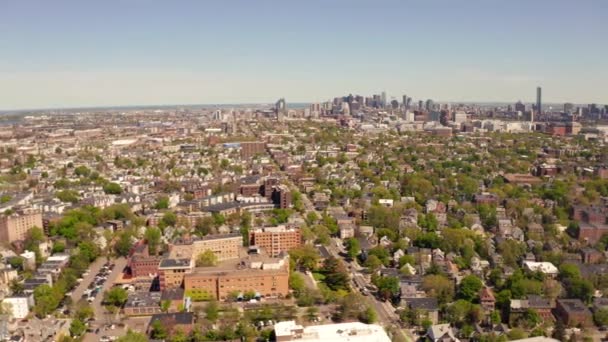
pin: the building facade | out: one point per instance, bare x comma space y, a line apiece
268, 279
14, 227
171, 272
275, 240
224, 246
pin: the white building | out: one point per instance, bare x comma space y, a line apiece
19, 307
544, 267
352, 332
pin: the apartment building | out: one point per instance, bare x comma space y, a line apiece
275, 240
14, 227
224, 246
268, 277
171, 272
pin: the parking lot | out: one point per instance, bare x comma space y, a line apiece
100, 282
87, 279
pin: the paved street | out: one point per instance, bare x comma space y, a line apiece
93, 269
101, 318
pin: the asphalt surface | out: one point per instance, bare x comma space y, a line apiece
93, 270
101, 317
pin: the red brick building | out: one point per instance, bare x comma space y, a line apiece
275, 240
573, 313
251, 148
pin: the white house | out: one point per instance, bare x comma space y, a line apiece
18, 306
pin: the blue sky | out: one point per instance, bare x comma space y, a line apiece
137, 52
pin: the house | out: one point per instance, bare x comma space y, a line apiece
426, 308
441, 333
542, 306
543, 267
573, 313
487, 299
591, 256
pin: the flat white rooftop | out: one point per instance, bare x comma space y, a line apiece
352, 332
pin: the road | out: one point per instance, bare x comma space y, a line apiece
93, 270
386, 312
101, 318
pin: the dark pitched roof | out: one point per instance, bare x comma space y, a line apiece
429, 304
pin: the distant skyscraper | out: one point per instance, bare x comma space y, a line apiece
420, 104
430, 105
520, 107
404, 103
539, 104
383, 99
280, 108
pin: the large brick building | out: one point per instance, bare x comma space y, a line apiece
593, 222
171, 272
250, 149
275, 240
142, 264
573, 313
14, 227
268, 277
224, 246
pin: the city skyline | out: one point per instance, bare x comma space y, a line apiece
73, 55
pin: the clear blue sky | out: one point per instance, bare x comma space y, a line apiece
94, 53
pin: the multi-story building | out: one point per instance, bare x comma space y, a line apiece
171, 272
281, 196
142, 264
267, 277
251, 148
573, 312
18, 306
15, 226
224, 246
275, 240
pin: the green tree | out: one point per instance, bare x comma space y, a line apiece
305, 257
124, 244
469, 288
169, 219
88, 250
158, 331
67, 196
77, 328
296, 283
206, 259
438, 286
116, 296
112, 188
82, 171
46, 300
152, 236
600, 317
212, 311
204, 226
336, 277
162, 202
353, 247
373, 262
388, 287
368, 316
